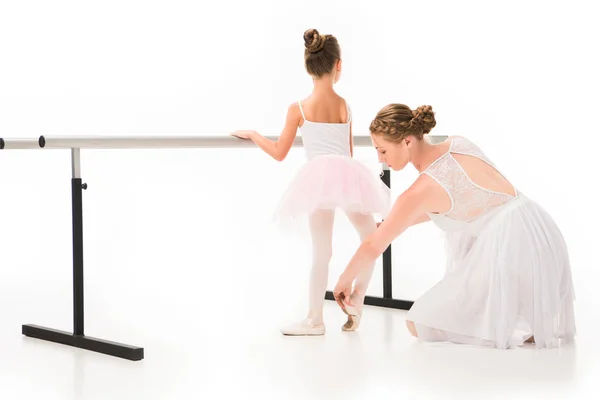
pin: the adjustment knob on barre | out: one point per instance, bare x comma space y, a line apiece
42, 141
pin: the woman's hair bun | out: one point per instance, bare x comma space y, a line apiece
425, 117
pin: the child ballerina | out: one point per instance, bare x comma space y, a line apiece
331, 179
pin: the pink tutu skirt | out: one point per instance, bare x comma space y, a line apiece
330, 182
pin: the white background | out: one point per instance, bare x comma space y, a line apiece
179, 253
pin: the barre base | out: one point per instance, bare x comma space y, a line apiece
120, 350
381, 302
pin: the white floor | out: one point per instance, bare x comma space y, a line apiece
198, 279
224, 348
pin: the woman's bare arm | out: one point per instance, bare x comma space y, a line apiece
424, 196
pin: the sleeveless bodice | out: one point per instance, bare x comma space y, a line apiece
320, 138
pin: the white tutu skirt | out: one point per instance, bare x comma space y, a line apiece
508, 278
330, 182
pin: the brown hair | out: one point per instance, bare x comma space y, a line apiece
321, 53
397, 121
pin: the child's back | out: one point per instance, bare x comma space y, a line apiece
325, 127
326, 108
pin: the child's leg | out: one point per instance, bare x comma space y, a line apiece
365, 225
321, 229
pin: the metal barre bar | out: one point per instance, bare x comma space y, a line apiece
147, 142
154, 142
19, 144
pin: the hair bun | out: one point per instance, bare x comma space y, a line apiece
313, 40
425, 117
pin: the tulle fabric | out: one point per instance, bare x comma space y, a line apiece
329, 182
508, 278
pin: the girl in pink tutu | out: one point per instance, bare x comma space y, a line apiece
331, 179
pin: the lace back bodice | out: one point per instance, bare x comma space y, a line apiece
469, 200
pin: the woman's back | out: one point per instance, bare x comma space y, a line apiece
472, 182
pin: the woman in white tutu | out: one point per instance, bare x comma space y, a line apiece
331, 179
508, 277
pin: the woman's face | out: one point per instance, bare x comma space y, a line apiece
395, 155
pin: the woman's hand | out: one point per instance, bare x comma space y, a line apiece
342, 292
244, 134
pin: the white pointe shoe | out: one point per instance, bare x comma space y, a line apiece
304, 328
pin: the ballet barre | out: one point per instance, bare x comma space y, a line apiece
143, 142
75, 144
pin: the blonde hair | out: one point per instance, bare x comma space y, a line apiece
397, 121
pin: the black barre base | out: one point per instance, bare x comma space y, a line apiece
380, 302
125, 351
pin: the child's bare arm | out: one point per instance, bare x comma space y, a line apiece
277, 149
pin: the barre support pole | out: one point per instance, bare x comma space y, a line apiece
78, 338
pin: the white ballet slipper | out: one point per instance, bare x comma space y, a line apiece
304, 328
